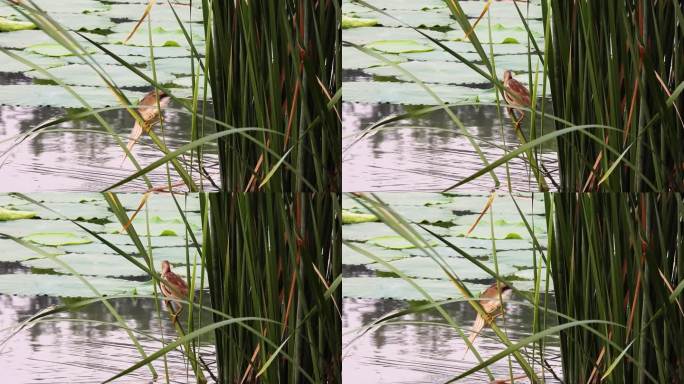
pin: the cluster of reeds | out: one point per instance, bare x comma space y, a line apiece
618, 257
275, 65
618, 65
277, 257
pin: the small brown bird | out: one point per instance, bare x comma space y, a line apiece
490, 300
147, 108
175, 288
515, 94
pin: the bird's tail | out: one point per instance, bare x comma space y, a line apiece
477, 328
133, 138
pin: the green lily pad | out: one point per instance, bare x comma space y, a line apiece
7, 25
406, 93
355, 22
9, 64
65, 285
352, 257
426, 267
157, 226
366, 231
160, 38
83, 74
56, 238
52, 50
398, 5
23, 39
399, 46
89, 265
400, 289
30, 95
395, 242
10, 214
366, 35
350, 217
11, 251
353, 58
71, 6
445, 72
414, 18
25, 227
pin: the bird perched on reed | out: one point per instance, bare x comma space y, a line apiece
490, 300
516, 95
175, 288
150, 114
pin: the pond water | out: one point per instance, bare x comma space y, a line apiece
75, 348
428, 354
431, 152
420, 353
81, 160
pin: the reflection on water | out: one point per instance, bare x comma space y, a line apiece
76, 349
419, 353
84, 161
416, 157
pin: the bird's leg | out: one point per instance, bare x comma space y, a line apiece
177, 313
174, 312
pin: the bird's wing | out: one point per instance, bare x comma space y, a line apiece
149, 113
477, 328
178, 284
519, 92
491, 305
136, 132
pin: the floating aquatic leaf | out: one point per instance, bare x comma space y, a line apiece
7, 25
160, 11
413, 18
396, 242
365, 231
10, 214
353, 58
366, 35
90, 265
399, 5
400, 289
71, 6
159, 52
355, 22
82, 74
65, 285
25, 227
352, 257
426, 267
349, 217
445, 72
406, 93
52, 49
11, 251
56, 238
23, 39
160, 38
399, 46
29, 95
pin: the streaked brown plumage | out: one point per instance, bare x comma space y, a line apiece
176, 288
490, 302
515, 94
147, 108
